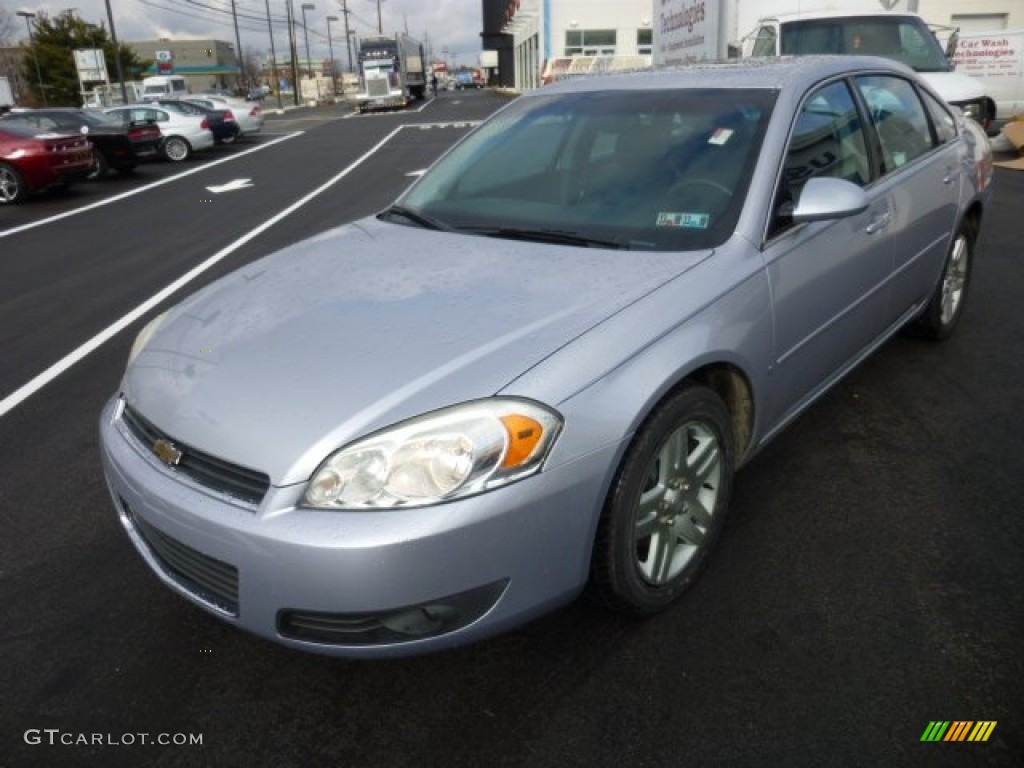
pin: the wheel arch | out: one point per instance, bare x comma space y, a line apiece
972, 217
730, 383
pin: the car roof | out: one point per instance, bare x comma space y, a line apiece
784, 72
823, 14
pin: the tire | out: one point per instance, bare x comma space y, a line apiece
940, 317
177, 149
13, 188
666, 506
100, 167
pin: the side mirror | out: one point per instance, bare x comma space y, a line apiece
825, 198
951, 44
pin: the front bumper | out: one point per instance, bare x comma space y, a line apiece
365, 583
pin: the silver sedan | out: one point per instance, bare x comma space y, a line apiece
182, 134
538, 371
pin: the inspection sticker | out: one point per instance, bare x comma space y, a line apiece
720, 136
687, 220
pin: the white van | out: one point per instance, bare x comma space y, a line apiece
164, 87
997, 60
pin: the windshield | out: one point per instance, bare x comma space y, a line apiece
646, 169
906, 39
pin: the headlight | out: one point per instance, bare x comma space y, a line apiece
972, 109
451, 453
145, 335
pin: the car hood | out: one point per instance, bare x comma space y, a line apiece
280, 363
954, 87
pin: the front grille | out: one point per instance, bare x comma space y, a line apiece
211, 580
377, 87
241, 483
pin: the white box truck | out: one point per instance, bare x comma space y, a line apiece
391, 71
693, 30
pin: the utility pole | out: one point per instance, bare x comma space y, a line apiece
273, 58
330, 46
291, 45
117, 55
348, 35
238, 45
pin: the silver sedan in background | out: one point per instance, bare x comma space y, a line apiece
538, 371
248, 114
182, 134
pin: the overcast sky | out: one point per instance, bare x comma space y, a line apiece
451, 24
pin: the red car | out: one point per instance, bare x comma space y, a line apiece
31, 161
117, 144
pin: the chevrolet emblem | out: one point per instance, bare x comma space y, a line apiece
167, 452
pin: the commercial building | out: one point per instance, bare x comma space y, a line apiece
205, 64
532, 37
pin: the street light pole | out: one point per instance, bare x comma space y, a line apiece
330, 47
305, 32
380, 24
35, 54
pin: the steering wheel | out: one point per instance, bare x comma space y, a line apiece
682, 184
697, 194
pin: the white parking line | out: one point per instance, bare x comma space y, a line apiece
23, 393
146, 188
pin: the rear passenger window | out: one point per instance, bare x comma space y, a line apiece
899, 117
942, 119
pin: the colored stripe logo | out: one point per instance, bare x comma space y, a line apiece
958, 730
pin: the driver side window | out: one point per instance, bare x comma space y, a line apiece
827, 140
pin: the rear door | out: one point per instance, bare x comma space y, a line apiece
921, 172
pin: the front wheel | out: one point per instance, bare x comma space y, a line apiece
177, 149
940, 317
666, 506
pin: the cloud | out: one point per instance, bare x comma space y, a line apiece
452, 25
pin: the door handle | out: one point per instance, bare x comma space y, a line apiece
879, 222
952, 174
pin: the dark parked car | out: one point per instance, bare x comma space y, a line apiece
117, 145
538, 371
222, 121
31, 160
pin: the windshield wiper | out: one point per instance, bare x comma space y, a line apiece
549, 236
417, 218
